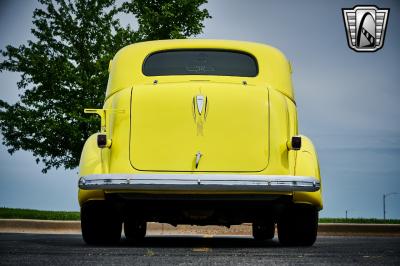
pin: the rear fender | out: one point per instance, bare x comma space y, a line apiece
306, 164
91, 162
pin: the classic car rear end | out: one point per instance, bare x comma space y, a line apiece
199, 132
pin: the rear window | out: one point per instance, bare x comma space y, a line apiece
200, 62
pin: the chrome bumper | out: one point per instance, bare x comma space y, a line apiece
200, 182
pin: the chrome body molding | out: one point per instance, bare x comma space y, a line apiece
200, 103
200, 182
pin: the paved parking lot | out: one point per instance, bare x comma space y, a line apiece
41, 249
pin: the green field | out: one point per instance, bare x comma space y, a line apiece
359, 220
10, 213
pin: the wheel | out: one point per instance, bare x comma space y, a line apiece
100, 223
298, 226
263, 230
135, 230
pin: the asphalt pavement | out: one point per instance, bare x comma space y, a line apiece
42, 249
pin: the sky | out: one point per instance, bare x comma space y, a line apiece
347, 101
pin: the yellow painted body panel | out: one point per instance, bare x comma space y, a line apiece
156, 130
307, 165
90, 163
126, 66
231, 133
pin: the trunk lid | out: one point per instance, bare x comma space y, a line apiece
219, 127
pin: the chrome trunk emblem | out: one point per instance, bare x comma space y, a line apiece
200, 103
198, 157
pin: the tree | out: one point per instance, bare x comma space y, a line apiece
64, 70
168, 19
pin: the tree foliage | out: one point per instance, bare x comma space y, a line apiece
64, 69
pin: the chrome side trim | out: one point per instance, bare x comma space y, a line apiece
200, 182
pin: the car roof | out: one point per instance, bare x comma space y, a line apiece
126, 67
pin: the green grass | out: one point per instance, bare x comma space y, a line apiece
10, 213
359, 220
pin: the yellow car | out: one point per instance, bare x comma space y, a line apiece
200, 132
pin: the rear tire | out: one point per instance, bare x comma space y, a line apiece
135, 230
298, 226
100, 223
263, 230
